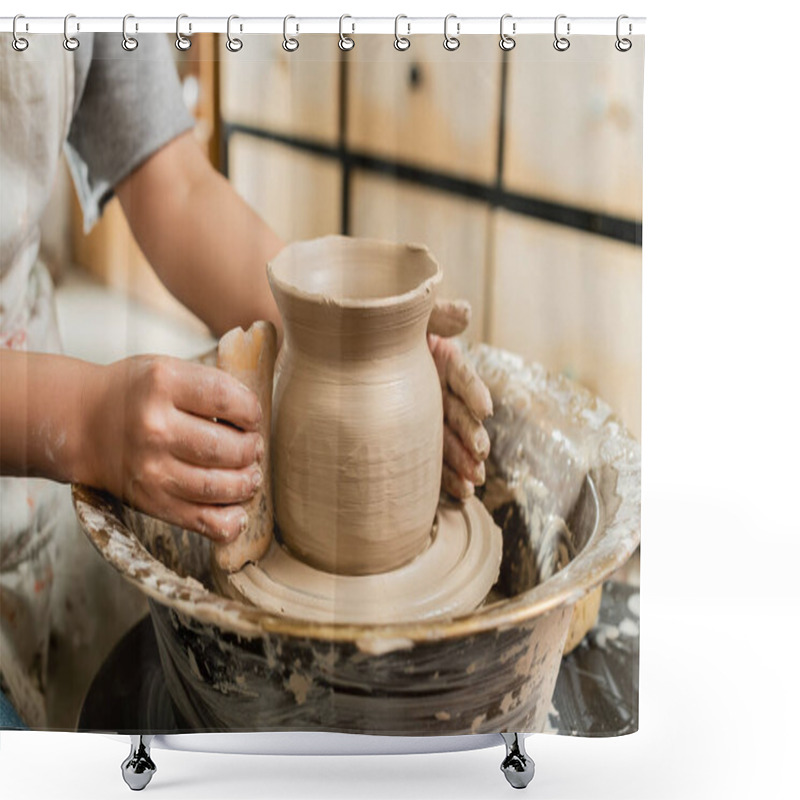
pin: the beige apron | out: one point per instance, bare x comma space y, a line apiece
56, 592
36, 103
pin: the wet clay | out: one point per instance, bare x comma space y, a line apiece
357, 437
232, 666
450, 578
358, 420
249, 356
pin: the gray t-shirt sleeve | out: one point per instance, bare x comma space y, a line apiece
131, 106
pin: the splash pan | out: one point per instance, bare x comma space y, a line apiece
565, 488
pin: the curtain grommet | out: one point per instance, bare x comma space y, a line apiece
129, 43
346, 43
289, 44
233, 44
623, 44
507, 42
401, 43
71, 43
561, 43
19, 43
451, 43
182, 43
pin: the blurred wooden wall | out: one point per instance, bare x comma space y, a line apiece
315, 138
522, 172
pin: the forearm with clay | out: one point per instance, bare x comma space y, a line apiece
42, 420
142, 428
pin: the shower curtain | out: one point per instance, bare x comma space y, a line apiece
518, 167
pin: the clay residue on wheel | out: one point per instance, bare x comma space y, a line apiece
493, 670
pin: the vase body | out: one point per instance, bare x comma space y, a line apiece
357, 421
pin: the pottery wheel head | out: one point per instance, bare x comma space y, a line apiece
450, 578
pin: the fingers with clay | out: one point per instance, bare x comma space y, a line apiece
470, 431
449, 317
208, 444
457, 456
153, 442
460, 377
212, 393
212, 486
217, 523
466, 401
454, 484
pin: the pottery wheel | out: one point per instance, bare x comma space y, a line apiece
451, 577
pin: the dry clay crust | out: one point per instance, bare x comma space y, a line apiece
249, 356
450, 578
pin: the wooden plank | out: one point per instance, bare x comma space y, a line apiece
572, 301
197, 68
291, 93
453, 228
426, 106
299, 195
574, 124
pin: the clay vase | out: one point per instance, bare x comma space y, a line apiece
357, 420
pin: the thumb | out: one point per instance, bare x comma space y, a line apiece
449, 317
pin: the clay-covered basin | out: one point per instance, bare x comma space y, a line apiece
565, 487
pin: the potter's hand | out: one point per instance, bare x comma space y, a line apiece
152, 441
467, 401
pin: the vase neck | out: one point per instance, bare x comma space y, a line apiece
322, 330
352, 334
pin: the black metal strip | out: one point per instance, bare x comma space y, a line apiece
224, 149
619, 228
342, 151
309, 145
501, 123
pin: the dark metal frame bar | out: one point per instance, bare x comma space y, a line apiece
619, 228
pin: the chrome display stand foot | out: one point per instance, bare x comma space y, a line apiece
517, 766
138, 768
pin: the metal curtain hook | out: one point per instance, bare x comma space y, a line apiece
233, 44
182, 42
451, 42
623, 45
561, 43
129, 43
18, 43
506, 41
400, 42
345, 42
290, 44
70, 42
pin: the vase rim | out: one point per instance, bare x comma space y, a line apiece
423, 287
